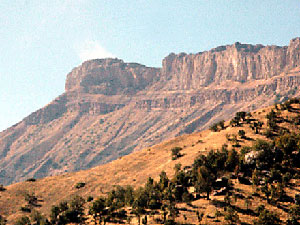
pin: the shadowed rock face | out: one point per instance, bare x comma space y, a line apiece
111, 108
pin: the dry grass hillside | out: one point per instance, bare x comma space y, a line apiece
111, 108
134, 169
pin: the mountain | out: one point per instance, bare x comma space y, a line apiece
135, 168
111, 108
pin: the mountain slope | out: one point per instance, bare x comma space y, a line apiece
111, 108
134, 169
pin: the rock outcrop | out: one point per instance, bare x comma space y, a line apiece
110, 77
237, 62
111, 108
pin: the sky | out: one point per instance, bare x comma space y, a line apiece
42, 40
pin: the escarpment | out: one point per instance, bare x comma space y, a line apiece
111, 108
237, 62
110, 77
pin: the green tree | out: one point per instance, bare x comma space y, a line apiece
163, 181
97, 210
140, 203
38, 219
173, 211
68, 212
267, 218
232, 160
287, 143
205, 180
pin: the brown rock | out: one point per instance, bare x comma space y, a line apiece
111, 108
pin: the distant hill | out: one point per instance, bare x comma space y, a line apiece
111, 108
134, 169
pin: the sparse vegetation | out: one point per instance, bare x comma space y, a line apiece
31, 179
263, 172
176, 152
218, 126
80, 185
2, 220
2, 188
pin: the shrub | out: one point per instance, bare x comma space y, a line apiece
2, 220
89, 199
38, 219
214, 127
31, 179
31, 199
222, 124
2, 188
24, 220
176, 152
242, 133
170, 222
25, 209
80, 185
294, 214
231, 216
241, 115
235, 122
269, 133
266, 217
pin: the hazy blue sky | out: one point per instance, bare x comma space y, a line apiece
42, 40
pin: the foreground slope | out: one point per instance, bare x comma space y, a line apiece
111, 108
135, 169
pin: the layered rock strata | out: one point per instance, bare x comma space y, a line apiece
111, 108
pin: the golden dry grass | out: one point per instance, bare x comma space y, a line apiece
135, 169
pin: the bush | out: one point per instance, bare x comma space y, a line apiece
176, 152
31, 199
24, 220
2, 188
218, 126
214, 127
31, 179
269, 133
80, 185
38, 219
231, 216
2, 220
170, 222
222, 124
89, 199
266, 217
242, 133
25, 209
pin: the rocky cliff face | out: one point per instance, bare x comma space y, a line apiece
110, 77
111, 108
237, 62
